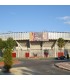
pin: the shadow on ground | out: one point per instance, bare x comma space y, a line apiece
20, 71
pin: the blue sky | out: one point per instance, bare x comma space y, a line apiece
34, 18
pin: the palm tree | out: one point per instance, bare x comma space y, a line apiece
61, 43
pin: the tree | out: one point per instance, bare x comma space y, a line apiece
1, 44
1, 47
61, 43
8, 45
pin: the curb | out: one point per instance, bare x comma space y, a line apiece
61, 67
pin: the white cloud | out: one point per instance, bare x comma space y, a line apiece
65, 18
68, 22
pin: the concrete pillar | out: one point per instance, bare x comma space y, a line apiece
55, 47
55, 50
42, 51
18, 51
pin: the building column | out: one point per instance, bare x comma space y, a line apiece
18, 52
55, 48
42, 53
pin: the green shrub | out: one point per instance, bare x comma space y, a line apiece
7, 57
1, 59
8, 45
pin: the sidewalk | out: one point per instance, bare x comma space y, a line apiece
63, 65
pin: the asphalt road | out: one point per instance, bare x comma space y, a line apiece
41, 67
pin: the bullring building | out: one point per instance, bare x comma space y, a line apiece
35, 43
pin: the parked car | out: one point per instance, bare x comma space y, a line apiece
60, 58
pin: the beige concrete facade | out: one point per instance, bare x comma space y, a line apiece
36, 48
36, 43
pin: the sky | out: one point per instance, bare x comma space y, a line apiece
34, 18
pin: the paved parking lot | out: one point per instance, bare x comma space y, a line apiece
42, 67
37, 67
